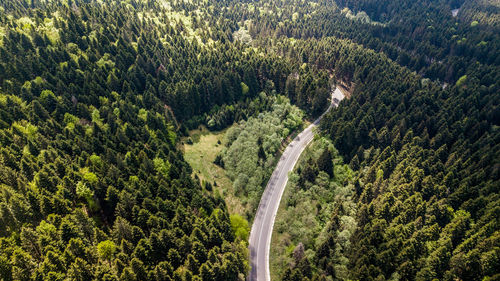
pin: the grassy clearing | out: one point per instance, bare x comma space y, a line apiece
201, 155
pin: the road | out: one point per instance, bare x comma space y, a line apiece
262, 228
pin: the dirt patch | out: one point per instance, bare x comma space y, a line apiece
346, 88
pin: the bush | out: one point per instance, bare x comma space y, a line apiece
240, 227
219, 161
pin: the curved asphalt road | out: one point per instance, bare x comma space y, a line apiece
262, 228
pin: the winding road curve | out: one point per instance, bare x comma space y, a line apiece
262, 228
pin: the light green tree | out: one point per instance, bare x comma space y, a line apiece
106, 249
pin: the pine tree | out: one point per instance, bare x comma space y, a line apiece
325, 163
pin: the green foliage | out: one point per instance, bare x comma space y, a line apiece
221, 117
461, 81
251, 146
162, 166
84, 191
412, 195
143, 114
106, 249
90, 178
244, 89
96, 160
311, 209
93, 94
240, 227
92, 186
70, 121
47, 98
325, 163
26, 129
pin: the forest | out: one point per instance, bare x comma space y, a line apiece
96, 98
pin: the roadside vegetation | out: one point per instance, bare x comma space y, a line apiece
317, 197
252, 147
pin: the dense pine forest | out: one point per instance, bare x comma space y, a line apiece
97, 98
